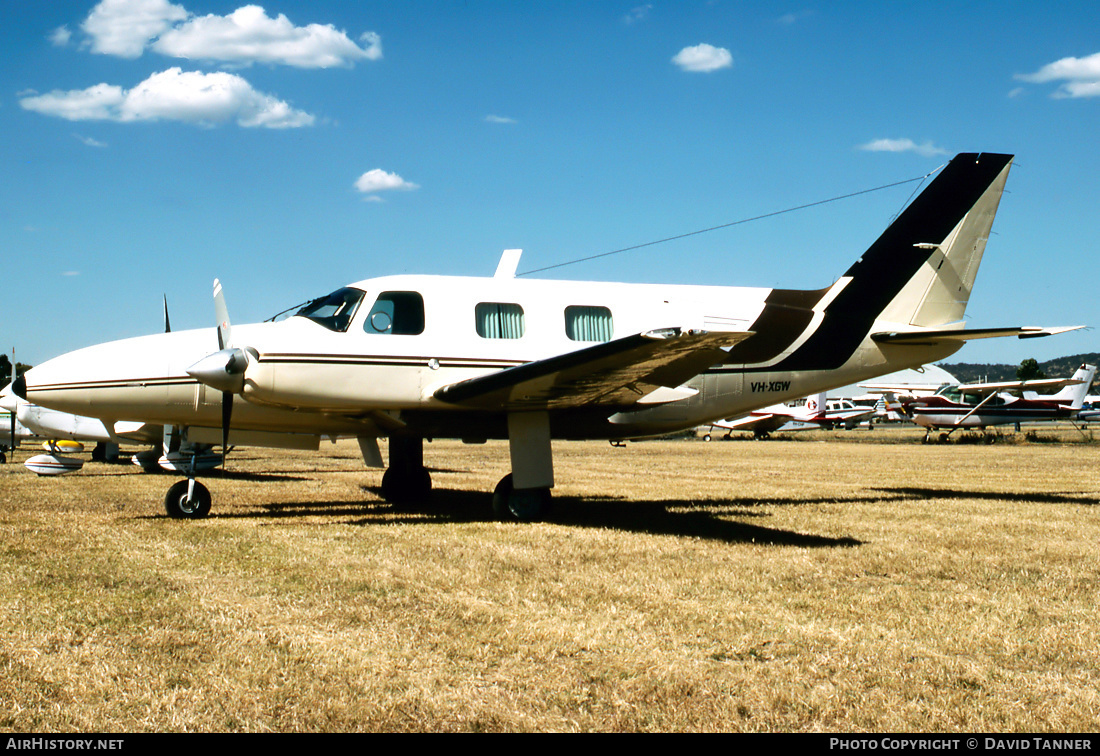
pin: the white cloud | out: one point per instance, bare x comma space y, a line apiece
60, 36
638, 13
703, 58
378, 180
245, 36
97, 103
1081, 76
173, 95
927, 149
499, 119
89, 141
787, 19
248, 35
125, 27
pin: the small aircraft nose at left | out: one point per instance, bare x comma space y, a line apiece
118, 379
8, 396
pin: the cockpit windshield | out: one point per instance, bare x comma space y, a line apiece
333, 311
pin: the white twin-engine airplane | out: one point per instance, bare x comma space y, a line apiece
413, 357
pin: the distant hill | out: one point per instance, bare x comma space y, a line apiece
1061, 367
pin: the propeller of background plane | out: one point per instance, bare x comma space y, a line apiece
224, 369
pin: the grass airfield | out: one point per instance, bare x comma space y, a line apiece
826, 581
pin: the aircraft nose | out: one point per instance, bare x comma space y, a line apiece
8, 398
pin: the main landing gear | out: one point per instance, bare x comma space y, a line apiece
524, 494
406, 481
521, 496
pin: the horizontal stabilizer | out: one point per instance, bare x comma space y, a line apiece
927, 337
615, 373
752, 422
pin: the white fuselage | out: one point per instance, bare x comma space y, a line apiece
306, 378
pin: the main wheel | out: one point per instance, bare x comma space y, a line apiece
412, 486
179, 507
520, 505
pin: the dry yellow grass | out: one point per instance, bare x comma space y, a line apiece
826, 584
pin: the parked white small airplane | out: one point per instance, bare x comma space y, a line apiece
816, 412
414, 357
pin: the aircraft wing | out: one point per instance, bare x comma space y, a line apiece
1015, 386
904, 389
765, 420
848, 415
936, 336
615, 373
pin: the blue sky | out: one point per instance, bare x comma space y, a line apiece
151, 146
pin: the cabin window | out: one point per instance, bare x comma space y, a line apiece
499, 320
398, 313
333, 311
588, 323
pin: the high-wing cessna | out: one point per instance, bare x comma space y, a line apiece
816, 412
978, 405
412, 357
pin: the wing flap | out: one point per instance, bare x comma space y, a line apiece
615, 373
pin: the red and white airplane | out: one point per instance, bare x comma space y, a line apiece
980, 405
412, 357
815, 412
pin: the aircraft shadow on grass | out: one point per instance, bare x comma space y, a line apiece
684, 518
1033, 497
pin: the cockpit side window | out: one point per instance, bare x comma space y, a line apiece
334, 311
398, 313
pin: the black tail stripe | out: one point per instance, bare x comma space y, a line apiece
888, 265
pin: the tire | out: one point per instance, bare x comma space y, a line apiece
523, 505
179, 508
410, 488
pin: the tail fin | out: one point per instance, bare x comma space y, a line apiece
1076, 393
1073, 395
814, 408
893, 406
939, 289
919, 272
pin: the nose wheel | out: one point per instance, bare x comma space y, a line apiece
187, 500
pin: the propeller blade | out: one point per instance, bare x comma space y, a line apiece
167, 325
223, 370
227, 414
222, 314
